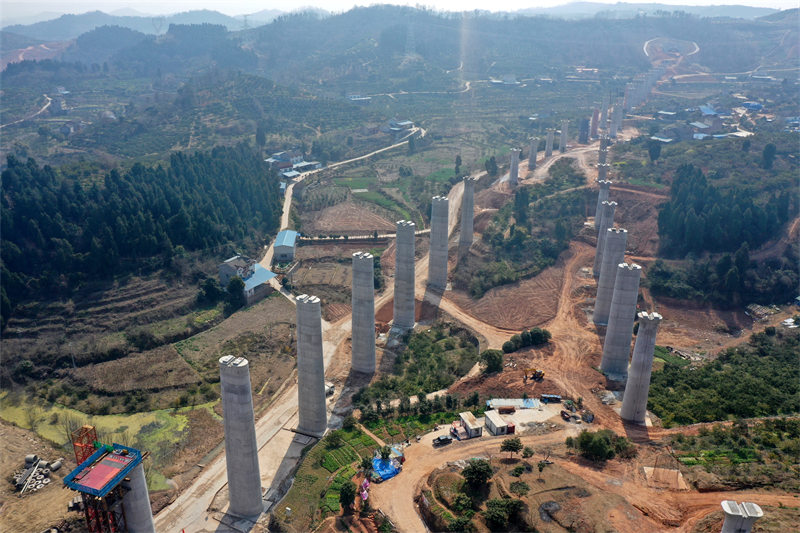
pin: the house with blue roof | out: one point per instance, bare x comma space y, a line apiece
255, 277
285, 244
256, 285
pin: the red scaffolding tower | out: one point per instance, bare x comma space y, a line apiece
103, 515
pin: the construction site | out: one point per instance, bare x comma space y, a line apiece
594, 373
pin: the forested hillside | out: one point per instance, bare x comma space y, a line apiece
700, 217
59, 230
759, 378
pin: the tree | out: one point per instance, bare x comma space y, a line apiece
347, 495
366, 464
460, 524
473, 399
210, 292
768, 156
654, 149
499, 512
521, 201
527, 452
412, 145
236, 298
261, 136
493, 361
541, 467
386, 452
458, 164
512, 445
520, 488
477, 473
334, 439
491, 166
349, 422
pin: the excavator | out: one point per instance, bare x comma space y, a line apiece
534, 374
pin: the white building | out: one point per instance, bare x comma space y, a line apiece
495, 423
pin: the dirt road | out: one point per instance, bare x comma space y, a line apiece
42, 110
278, 449
396, 497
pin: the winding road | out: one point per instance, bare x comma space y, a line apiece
42, 110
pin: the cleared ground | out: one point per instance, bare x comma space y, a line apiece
346, 218
38, 510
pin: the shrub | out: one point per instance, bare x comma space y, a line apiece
527, 452
477, 472
520, 488
493, 359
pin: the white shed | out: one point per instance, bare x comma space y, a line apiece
495, 423
470, 424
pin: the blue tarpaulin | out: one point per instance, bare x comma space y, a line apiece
384, 468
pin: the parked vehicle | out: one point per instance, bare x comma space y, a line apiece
441, 440
565, 415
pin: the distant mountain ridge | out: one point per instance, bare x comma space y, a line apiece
68, 27
625, 10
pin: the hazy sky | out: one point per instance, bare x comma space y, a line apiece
13, 9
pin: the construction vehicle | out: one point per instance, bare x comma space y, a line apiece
534, 374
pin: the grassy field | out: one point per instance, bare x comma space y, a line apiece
154, 431
355, 182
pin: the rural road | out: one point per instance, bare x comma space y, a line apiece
42, 110
278, 449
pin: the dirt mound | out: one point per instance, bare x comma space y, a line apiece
525, 304
491, 199
482, 220
637, 212
510, 382
346, 218
334, 312
423, 312
699, 327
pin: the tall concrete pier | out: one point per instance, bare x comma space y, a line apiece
602, 171
613, 255
634, 403
740, 517
602, 156
617, 346
616, 121
404, 275
534, 149
437, 260
467, 213
136, 503
513, 166
310, 367
363, 302
606, 221
548, 143
594, 123
602, 196
605, 142
562, 142
604, 111
241, 449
